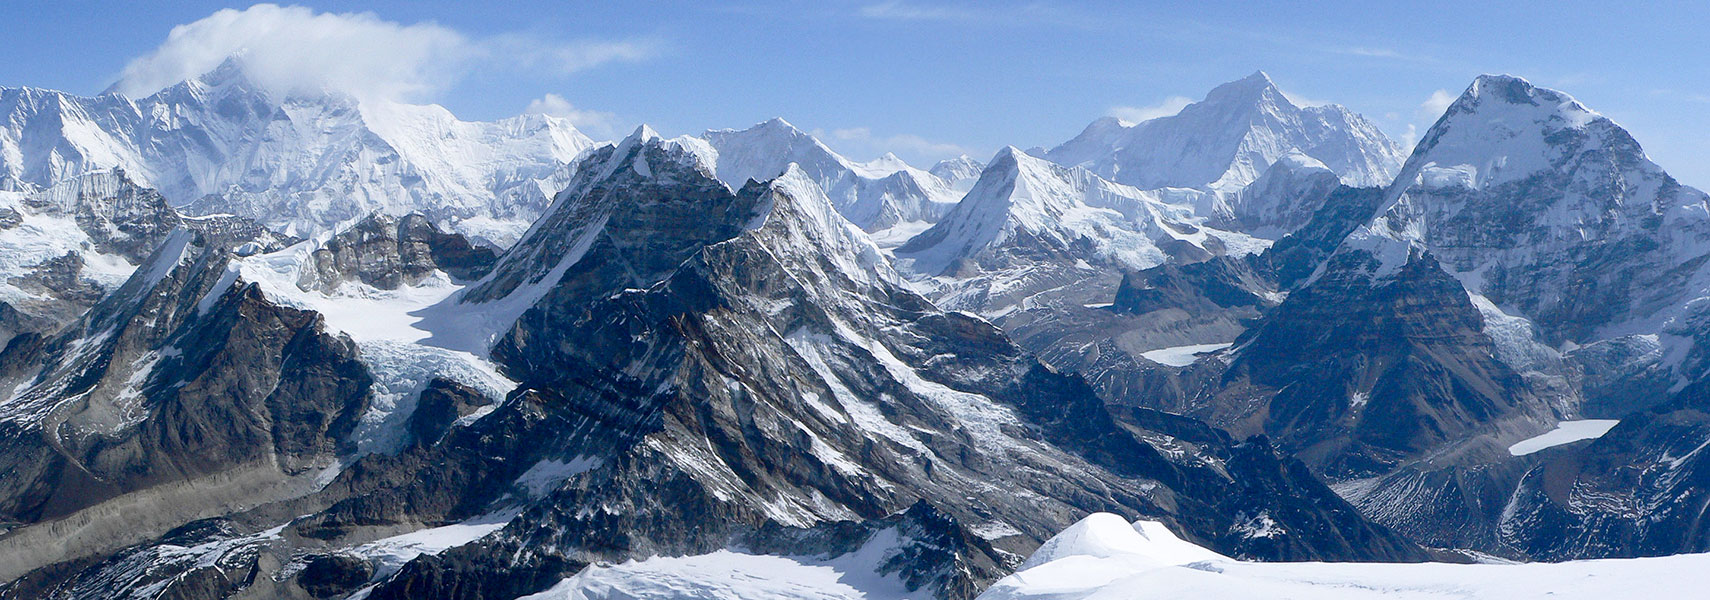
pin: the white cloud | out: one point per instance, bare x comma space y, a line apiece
294, 48
528, 52
1426, 115
1411, 138
863, 142
1434, 106
597, 124
1374, 52
901, 11
1136, 114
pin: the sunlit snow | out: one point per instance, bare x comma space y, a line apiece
1105, 558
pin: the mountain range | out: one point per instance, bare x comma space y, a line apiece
314, 346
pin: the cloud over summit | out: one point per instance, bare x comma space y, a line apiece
294, 48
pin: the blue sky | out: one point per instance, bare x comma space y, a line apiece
925, 79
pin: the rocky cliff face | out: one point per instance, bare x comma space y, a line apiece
695, 353
176, 396
1359, 373
731, 383
1554, 214
1639, 490
388, 252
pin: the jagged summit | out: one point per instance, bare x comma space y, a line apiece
642, 133
878, 195
1254, 91
1027, 208
1226, 140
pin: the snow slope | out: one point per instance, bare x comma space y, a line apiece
736, 575
1105, 558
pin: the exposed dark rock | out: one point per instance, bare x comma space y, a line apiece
168, 381
442, 403
1201, 287
388, 252
334, 575
1358, 374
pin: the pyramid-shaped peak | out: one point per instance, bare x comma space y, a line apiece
229, 77
642, 134
1008, 155
1251, 89
1008, 160
777, 123
1504, 128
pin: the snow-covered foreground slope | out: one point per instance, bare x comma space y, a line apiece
729, 575
1105, 558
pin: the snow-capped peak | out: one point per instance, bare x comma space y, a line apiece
885, 165
762, 152
301, 160
1253, 92
1502, 128
1228, 139
1050, 210
875, 195
643, 133
803, 221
